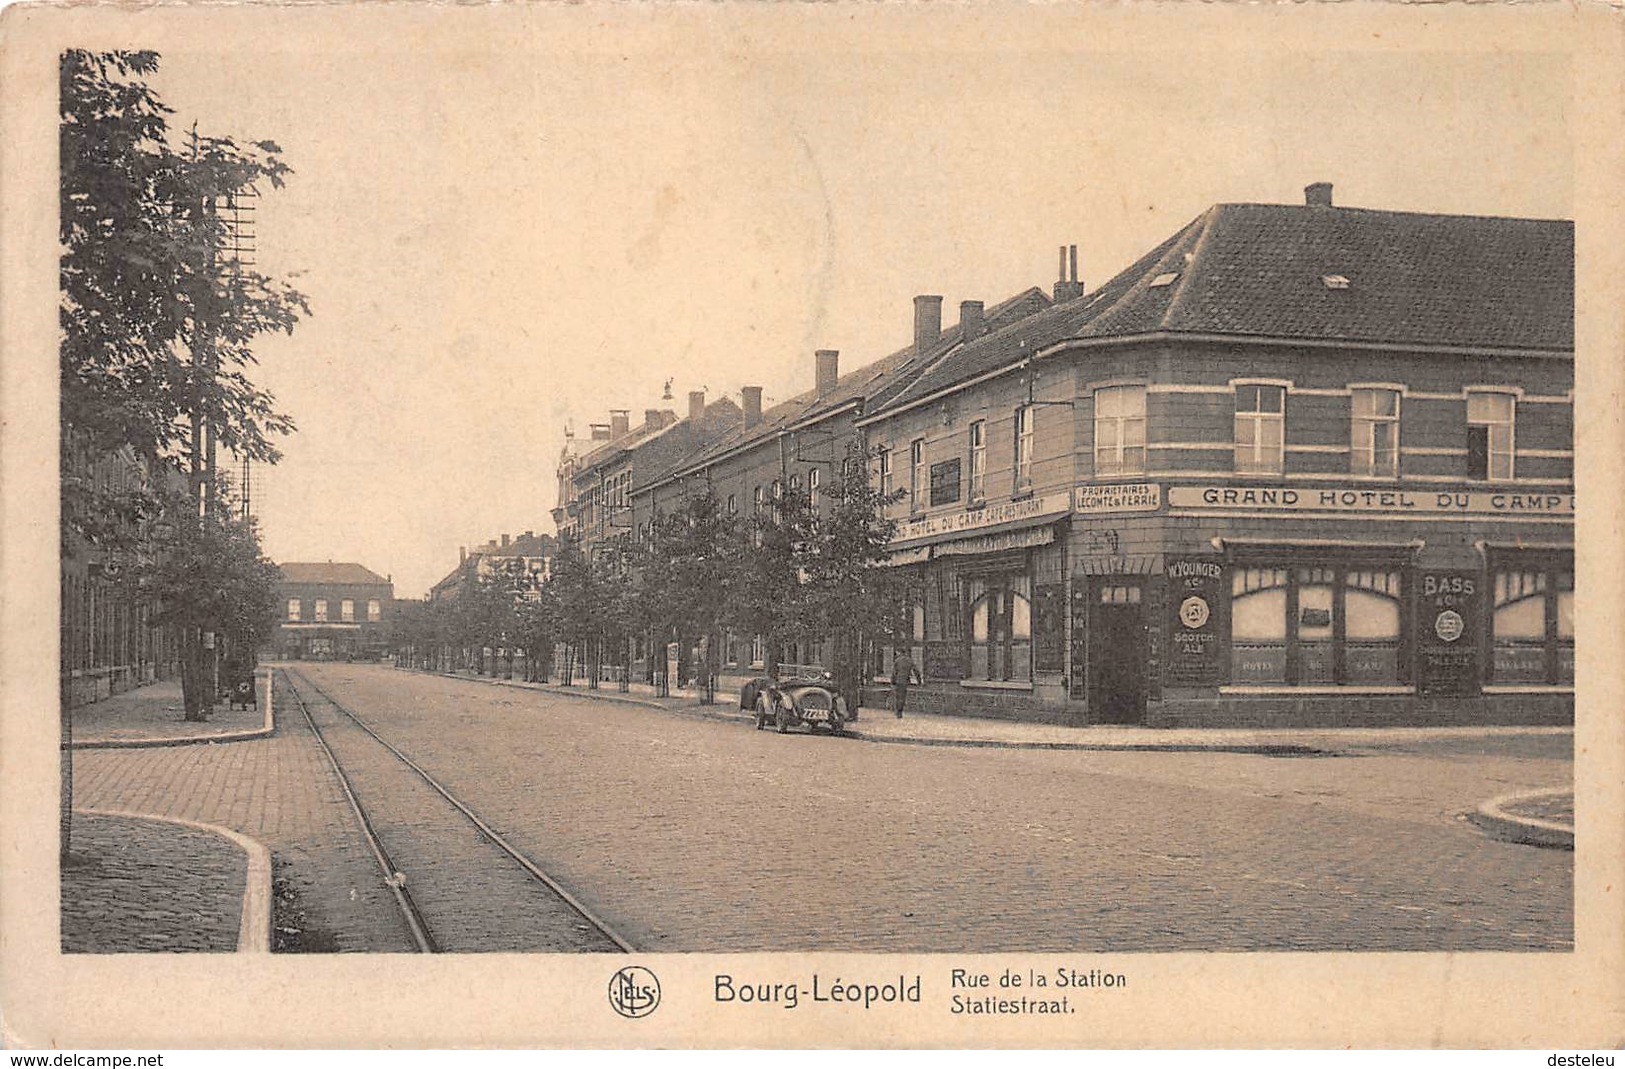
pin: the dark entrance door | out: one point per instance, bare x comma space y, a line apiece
1117, 654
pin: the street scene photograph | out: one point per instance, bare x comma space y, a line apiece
733, 499
704, 525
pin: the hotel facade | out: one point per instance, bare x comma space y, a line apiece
1300, 465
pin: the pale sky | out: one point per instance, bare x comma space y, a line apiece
501, 234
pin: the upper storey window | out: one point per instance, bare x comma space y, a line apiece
1490, 418
1374, 444
321, 610
978, 461
916, 479
1024, 448
1260, 428
293, 609
1120, 430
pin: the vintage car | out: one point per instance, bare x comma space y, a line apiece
809, 700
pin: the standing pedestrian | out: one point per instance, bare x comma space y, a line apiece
903, 673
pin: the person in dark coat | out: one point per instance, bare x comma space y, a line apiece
903, 673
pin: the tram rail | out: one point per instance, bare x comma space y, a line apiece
422, 933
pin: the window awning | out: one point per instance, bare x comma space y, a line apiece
913, 555
1024, 538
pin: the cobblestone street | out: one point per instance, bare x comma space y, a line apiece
694, 834
278, 790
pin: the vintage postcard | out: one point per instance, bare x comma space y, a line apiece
792, 525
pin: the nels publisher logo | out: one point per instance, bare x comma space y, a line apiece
634, 991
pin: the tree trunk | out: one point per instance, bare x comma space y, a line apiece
194, 676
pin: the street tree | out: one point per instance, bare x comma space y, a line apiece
769, 595
210, 577
157, 322
692, 567
849, 592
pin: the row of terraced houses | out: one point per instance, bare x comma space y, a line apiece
1298, 465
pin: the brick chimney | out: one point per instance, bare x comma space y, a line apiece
826, 370
462, 554
504, 541
1318, 194
972, 324
927, 321
620, 421
696, 404
1067, 285
600, 431
653, 418
752, 398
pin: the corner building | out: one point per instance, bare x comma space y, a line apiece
1300, 465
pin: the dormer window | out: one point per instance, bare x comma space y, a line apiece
1335, 282
1165, 279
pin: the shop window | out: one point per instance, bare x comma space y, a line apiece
916, 476
1000, 619
1258, 625
321, 610
1260, 429
1374, 448
1533, 625
375, 610
293, 609
978, 462
347, 611
1317, 624
1490, 419
1120, 430
1024, 449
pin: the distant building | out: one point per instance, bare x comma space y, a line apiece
522, 564
333, 611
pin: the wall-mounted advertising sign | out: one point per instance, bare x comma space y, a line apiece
1448, 618
945, 482
1125, 497
1195, 593
990, 515
1365, 499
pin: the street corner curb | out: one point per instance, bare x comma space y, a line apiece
254, 923
1493, 819
265, 731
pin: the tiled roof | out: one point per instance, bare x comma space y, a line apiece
873, 384
1319, 274
295, 572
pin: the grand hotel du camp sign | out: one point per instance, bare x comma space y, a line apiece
1018, 524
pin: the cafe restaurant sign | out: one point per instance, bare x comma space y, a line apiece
1361, 499
991, 515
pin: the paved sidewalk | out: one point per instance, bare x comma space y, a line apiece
929, 729
278, 790
154, 716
